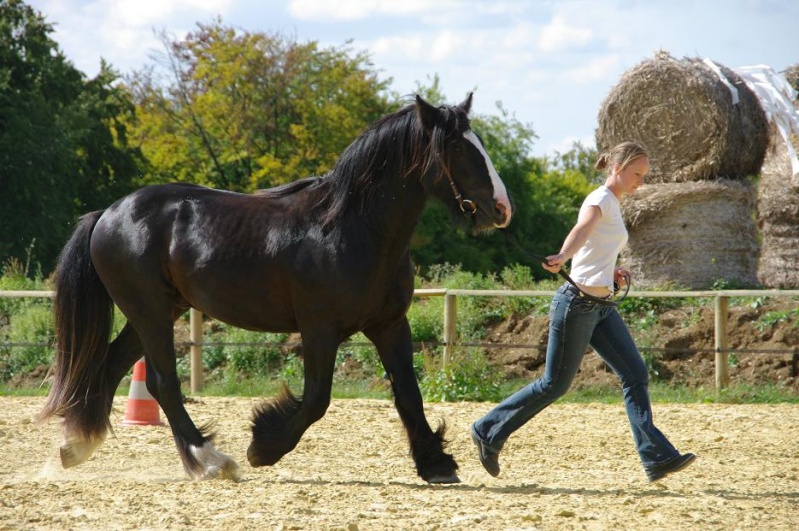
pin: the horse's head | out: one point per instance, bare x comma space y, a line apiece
461, 173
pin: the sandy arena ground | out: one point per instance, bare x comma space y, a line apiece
573, 467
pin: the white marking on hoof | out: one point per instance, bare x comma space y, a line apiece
76, 450
214, 463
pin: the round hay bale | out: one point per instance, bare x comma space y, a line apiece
792, 76
778, 258
684, 115
778, 188
777, 214
690, 235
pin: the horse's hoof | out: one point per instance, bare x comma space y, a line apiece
444, 480
71, 456
229, 471
75, 451
259, 456
213, 464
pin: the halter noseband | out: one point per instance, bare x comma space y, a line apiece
467, 206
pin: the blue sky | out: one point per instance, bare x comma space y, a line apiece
551, 63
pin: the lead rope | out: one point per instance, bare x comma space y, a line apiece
565, 275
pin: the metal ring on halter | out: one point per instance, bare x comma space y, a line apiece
471, 210
458, 196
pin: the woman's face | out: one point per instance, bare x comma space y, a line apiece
632, 176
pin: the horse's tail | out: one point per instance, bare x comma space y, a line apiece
84, 314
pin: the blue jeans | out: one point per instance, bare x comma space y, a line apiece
575, 323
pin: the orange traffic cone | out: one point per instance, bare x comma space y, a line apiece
141, 409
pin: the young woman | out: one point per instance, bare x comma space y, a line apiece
577, 322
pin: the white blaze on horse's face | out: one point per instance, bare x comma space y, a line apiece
500, 194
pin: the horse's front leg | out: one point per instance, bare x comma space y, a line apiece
278, 425
395, 348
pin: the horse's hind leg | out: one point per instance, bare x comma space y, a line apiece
200, 459
123, 352
394, 346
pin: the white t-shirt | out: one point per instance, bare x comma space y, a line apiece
595, 262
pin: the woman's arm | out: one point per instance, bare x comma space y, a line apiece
586, 221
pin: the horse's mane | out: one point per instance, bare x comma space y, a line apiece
396, 144
288, 188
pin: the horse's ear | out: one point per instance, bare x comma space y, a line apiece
466, 105
427, 113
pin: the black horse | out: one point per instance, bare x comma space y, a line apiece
325, 256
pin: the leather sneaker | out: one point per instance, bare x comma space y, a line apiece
489, 457
660, 471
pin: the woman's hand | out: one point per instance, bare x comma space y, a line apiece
621, 277
554, 262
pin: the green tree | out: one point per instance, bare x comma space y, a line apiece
239, 110
579, 159
61, 138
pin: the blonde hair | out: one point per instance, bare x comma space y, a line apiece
623, 155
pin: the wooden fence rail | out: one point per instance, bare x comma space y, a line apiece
450, 340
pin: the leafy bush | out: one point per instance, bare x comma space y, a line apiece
641, 307
473, 312
468, 376
32, 330
363, 353
769, 319
426, 319
292, 371
15, 278
27, 321
251, 356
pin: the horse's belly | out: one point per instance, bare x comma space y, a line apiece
264, 321
246, 308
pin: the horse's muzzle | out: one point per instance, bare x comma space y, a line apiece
505, 212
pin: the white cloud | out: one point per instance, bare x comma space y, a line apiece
521, 36
566, 143
146, 13
599, 69
405, 47
509, 7
121, 31
433, 48
361, 9
445, 45
559, 36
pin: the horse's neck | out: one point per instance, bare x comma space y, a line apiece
394, 211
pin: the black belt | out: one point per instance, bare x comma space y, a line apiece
587, 296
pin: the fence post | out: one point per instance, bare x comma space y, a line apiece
196, 349
722, 369
450, 329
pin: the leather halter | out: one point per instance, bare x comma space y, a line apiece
467, 206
